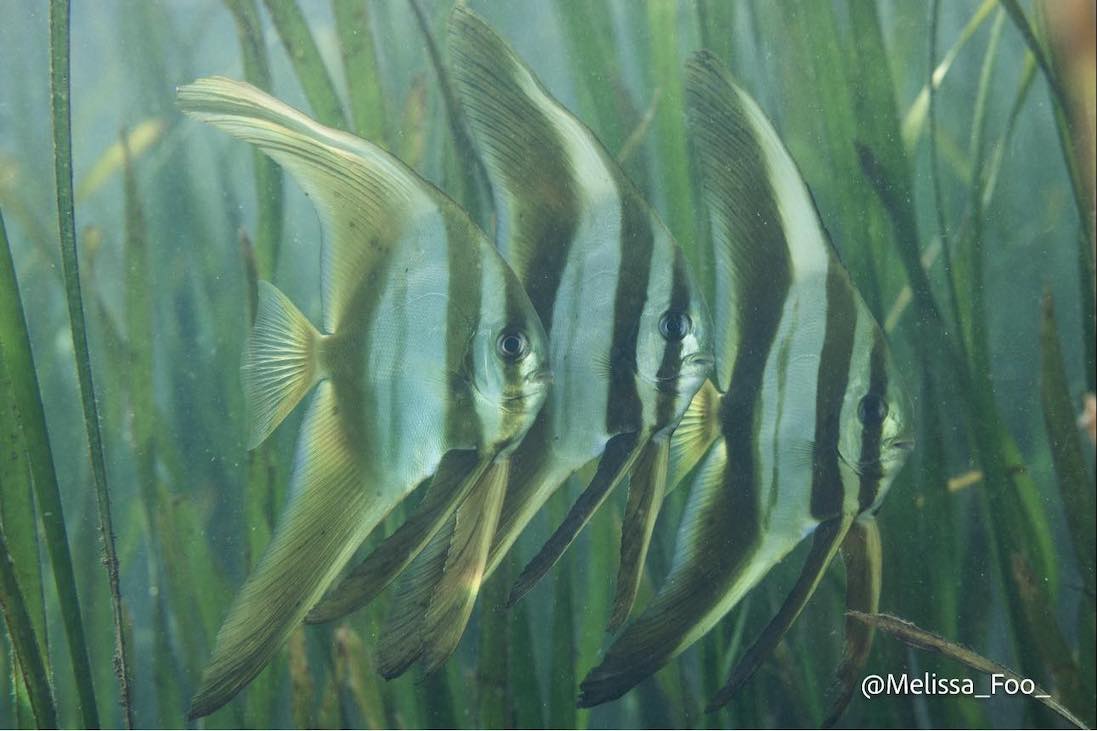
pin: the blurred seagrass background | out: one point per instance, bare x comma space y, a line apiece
962, 207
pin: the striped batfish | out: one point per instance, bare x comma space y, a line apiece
809, 425
629, 336
431, 359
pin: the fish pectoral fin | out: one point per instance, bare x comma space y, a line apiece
458, 471
618, 458
328, 516
280, 362
862, 553
825, 543
455, 593
695, 433
438, 591
645, 497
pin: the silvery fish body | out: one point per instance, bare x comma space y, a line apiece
429, 351
629, 336
806, 425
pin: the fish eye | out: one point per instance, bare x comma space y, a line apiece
513, 345
872, 410
675, 325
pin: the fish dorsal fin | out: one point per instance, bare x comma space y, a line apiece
365, 197
547, 170
765, 230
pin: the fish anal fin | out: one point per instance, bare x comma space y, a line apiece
457, 473
862, 553
645, 497
825, 543
328, 515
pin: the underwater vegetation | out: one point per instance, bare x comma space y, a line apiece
161, 541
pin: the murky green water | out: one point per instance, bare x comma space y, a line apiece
984, 533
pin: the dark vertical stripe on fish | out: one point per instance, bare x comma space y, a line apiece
624, 410
872, 434
667, 393
834, 362
465, 280
538, 179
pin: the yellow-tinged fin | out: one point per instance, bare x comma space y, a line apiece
457, 473
645, 497
455, 593
436, 595
618, 458
280, 362
365, 197
695, 433
825, 543
862, 553
328, 516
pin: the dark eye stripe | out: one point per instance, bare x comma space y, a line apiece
463, 288
833, 378
872, 435
624, 410
666, 401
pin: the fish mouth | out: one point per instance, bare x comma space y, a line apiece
694, 365
534, 386
540, 378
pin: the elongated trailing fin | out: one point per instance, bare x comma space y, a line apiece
455, 593
365, 197
651, 639
620, 454
280, 363
438, 591
828, 537
327, 517
455, 477
765, 229
862, 553
645, 497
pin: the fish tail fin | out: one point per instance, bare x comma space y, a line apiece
280, 363
328, 515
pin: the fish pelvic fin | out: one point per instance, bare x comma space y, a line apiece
825, 544
438, 592
862, 553
466, 560
456, 475
617, 460
280, 362
645, 498
329, 513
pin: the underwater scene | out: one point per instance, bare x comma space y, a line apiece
555, 364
